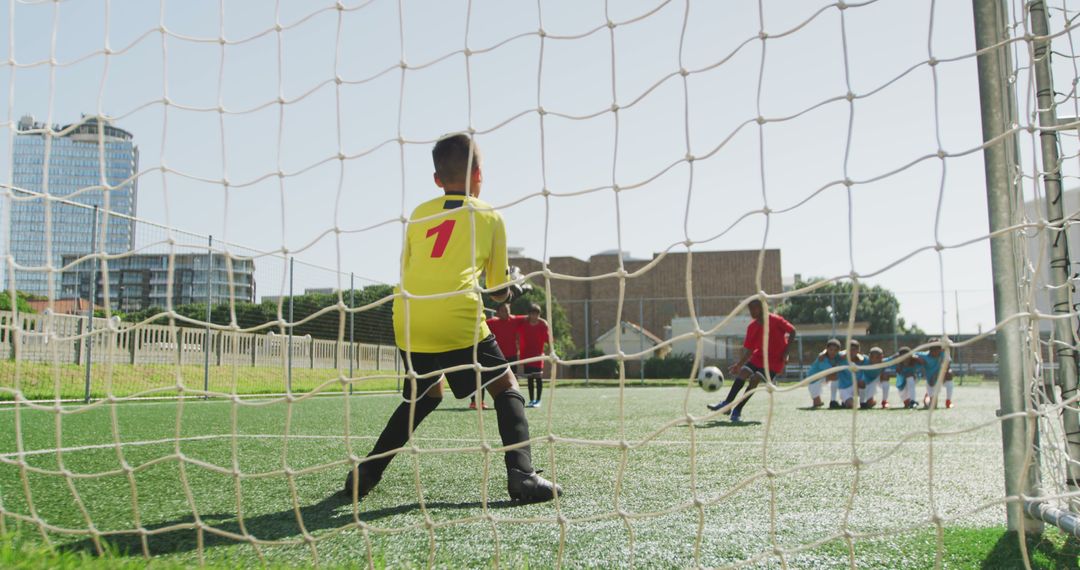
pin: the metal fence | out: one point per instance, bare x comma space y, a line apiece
176, 310
60, 338
653, 327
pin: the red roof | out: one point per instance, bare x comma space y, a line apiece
63, 306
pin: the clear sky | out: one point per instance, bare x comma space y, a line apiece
786, 164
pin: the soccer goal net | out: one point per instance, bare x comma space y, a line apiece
206, 219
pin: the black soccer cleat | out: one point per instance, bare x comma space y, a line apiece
834, 405
367, 483
530, 487
717, 406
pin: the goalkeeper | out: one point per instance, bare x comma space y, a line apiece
450, 241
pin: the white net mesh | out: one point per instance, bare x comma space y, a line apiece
843, 135
1048, 279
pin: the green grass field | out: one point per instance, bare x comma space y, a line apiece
783, 483
44, 381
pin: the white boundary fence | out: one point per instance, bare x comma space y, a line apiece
62, 338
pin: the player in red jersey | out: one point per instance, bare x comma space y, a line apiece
505, 327
752, 363
533, 334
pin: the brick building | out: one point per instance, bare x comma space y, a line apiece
655, 288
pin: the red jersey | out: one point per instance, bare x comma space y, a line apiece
779, 329
533, 338
506, 333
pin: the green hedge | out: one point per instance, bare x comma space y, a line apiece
602, 369
674, 366
677, 365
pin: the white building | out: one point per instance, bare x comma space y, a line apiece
1038, 249
720, 339
632, 339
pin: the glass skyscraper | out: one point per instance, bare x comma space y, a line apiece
68, 162
141, 280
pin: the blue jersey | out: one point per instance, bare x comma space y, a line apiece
844, 377
823, 362
870, 375
859, 360
904, 370
932, 366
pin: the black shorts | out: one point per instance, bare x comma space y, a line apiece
761, 371
532, 371
462, 382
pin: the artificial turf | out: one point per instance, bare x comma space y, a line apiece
50, 381
784, 484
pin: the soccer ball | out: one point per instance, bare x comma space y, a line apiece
711, 379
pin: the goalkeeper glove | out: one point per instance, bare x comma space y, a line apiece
515, 290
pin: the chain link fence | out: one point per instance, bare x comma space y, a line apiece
651, 330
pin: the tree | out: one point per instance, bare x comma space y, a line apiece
248, 315
877, 305
324, 326
135, 317
374, 325
22, 301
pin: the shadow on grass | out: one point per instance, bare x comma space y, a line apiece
328, 513
862, 411
727, 423
1042, 553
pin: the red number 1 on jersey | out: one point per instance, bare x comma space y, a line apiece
442, 237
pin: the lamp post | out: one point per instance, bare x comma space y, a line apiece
895, 326
832, 317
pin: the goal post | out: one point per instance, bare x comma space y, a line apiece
998, 106
1063, 341
1034, 393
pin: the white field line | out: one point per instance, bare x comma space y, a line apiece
254, 399
15, 454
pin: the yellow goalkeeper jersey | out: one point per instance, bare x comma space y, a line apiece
449, 242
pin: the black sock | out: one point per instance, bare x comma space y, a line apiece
531, 391
539, 388
743, 403
749, 393
396, 433
735, 387
514, 428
